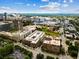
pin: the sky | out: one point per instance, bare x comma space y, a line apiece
39, 6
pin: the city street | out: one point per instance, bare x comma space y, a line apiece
35, 51
38, 50
64, 45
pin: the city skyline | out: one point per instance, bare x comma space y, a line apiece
39, 6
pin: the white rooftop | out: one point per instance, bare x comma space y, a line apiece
68, 35
35, 36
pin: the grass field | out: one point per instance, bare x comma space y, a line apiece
47, 32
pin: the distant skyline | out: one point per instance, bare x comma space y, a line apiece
39, 6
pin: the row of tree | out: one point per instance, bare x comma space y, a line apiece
41, 56
72, 48
6, 50
28, 54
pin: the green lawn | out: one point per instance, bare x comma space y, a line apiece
47, 32
13, 30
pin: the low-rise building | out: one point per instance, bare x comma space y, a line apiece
51, 45
70, 28
46, 21
71, 36
34, 39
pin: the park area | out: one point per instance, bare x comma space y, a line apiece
48, 32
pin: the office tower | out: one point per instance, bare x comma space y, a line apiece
17, 24
5, 16
1, 17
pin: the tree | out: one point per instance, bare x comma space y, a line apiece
28, 22
57, 58
73, 50
24, 51
9, 48
77, 44
40, 56
67, 42
27, 57
62, 50
49, 57
30, 54
1, 57
70, 44
8, 57
6, 49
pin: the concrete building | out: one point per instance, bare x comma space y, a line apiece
34, 39
5, 26
17, 24
5, 16
69, 35
70, 27
20, 35
1, 17
46, 21
51, 45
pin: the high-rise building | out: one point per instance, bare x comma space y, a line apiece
5, 16
1, 17
5, 26
17, 24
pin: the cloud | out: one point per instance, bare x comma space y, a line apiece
44, 11
28, 4
51, 6
31, 4
45, 0
4, 8
64, 5
66, 1
71, 1
19, 3
34, 4
7, 9
54, 6
76, 10
70, 10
